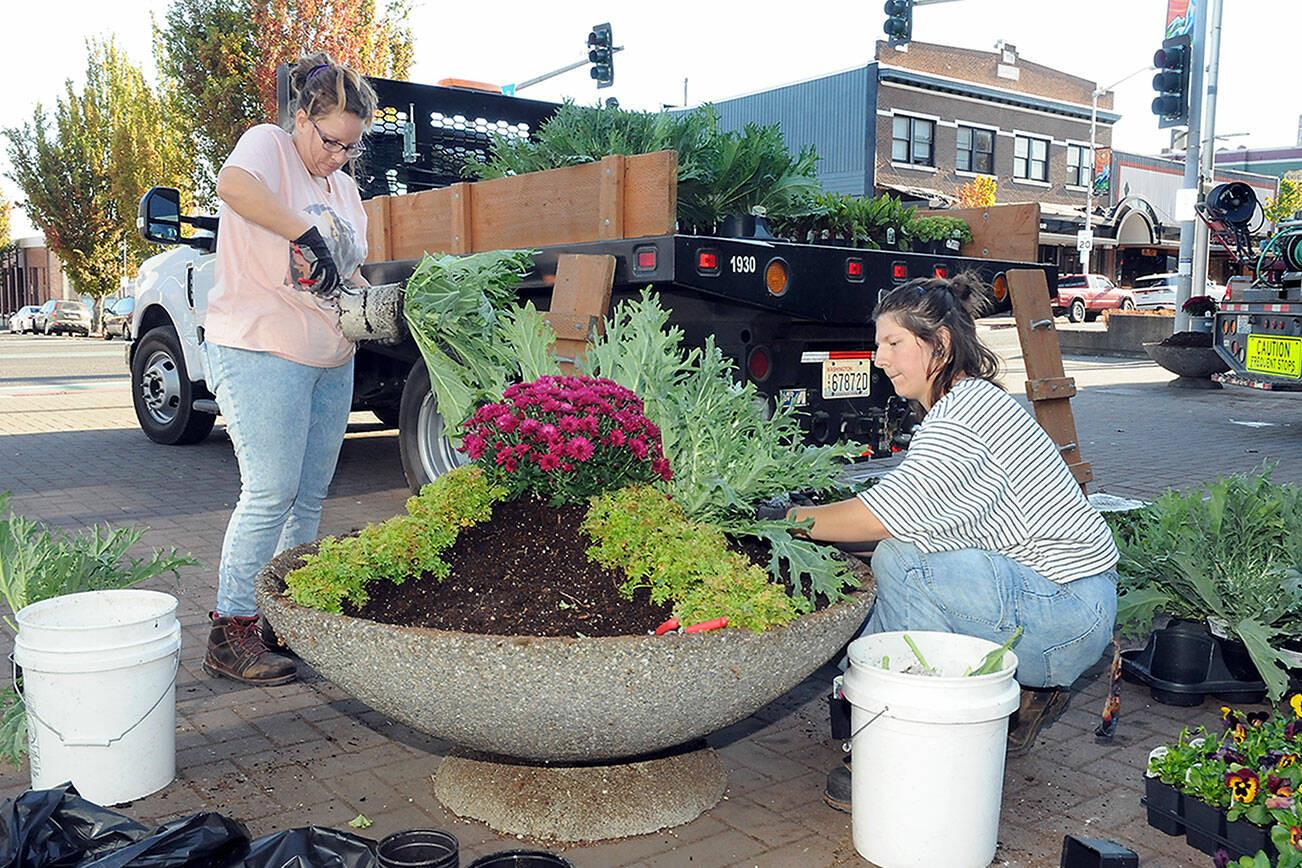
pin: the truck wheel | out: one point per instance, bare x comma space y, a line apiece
426, 452
1127, 304
1076, 313
162, 392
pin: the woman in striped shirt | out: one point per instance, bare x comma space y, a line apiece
982, 528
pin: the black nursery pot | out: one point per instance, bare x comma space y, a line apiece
1204, 826
1245, 839
419, 848
522, 859
1165, 806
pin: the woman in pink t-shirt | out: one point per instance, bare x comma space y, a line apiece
292, 232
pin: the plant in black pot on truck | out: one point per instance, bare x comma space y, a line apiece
1228, 550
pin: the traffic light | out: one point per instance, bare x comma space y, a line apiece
899, 21
601, 53
1172, 82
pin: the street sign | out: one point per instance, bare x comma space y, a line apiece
1085, 240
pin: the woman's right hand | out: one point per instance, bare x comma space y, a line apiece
312, 267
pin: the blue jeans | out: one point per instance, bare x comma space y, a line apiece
287, 422
1065, 627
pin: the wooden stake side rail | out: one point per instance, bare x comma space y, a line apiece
1047, 386
580, 301
618, 197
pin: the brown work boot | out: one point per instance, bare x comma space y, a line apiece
236, 651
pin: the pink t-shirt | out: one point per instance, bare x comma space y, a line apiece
253, 304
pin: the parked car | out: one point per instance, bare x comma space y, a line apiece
1082, 295
117, 318
24, 320
1157, 291
60, 315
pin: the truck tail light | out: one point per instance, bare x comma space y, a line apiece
776, 277
758, 364
707, 262
940, 271
854, 269
899, 271
999, 286
646, 259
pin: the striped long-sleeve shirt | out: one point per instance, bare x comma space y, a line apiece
981, 473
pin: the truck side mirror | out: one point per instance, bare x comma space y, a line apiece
159, 218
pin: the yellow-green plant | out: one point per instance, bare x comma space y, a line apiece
640, 530
405, 545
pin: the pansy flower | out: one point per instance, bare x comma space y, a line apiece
1242, 784
1295, 836
1296, 702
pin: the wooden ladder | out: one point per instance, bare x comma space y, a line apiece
1047, 386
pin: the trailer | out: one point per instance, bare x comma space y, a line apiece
794, 318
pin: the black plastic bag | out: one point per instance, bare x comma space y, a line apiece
204, 840
56, 828
311, 847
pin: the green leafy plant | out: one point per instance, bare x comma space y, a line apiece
565, 439
641, 531
873, 223
38, 564
939, 228
402, 546
724, 455
1229, 549
473, 336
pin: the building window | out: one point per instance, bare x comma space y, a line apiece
1078, 165
1031, 158
976, 150
911, 141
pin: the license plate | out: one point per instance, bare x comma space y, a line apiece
847, 378
1278, 356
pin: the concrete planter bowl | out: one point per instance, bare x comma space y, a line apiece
543, 705
1193, 366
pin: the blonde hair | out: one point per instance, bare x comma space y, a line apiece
325, 87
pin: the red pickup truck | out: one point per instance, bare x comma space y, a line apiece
1084, 295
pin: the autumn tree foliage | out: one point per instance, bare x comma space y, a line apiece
5, 210
83, 168
976, 193
348, 29
1288, 202
208, 51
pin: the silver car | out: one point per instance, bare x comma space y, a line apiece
1157, 291
61, 315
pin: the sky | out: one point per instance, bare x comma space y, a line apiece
725, 49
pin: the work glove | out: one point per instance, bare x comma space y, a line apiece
775, 508
322, 278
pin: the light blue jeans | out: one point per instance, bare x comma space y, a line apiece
287, 422
1065, 627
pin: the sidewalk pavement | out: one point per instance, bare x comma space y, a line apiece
307, 754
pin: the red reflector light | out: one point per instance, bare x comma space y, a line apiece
646, 259
940, 271
759, 364
854, 268
899, 271
708, 261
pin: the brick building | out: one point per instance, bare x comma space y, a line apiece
30, 274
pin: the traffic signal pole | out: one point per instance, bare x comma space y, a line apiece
1207, 173
1191, 165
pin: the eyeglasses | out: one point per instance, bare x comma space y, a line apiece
356, 149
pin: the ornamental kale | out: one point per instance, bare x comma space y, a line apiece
565, 439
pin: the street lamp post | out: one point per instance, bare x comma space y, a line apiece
1089, 188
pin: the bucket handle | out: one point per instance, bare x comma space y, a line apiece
90, 742
837, 692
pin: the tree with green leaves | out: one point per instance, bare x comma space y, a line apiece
6, 209
208, 50
84, 169
1289, 200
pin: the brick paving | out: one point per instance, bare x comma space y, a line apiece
308, 754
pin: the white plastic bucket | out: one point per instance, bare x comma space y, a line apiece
99, 680
927, 772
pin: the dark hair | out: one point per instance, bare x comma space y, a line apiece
325, 87
925, 305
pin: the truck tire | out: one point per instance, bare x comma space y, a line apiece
1076, 313
426, 452
162, 393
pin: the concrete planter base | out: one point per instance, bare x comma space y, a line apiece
582, 802
1193, 366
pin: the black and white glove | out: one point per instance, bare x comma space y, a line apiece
774, 508
322, 275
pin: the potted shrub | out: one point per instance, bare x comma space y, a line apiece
939, 234
1201, 310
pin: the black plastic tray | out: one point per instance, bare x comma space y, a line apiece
1183, 663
